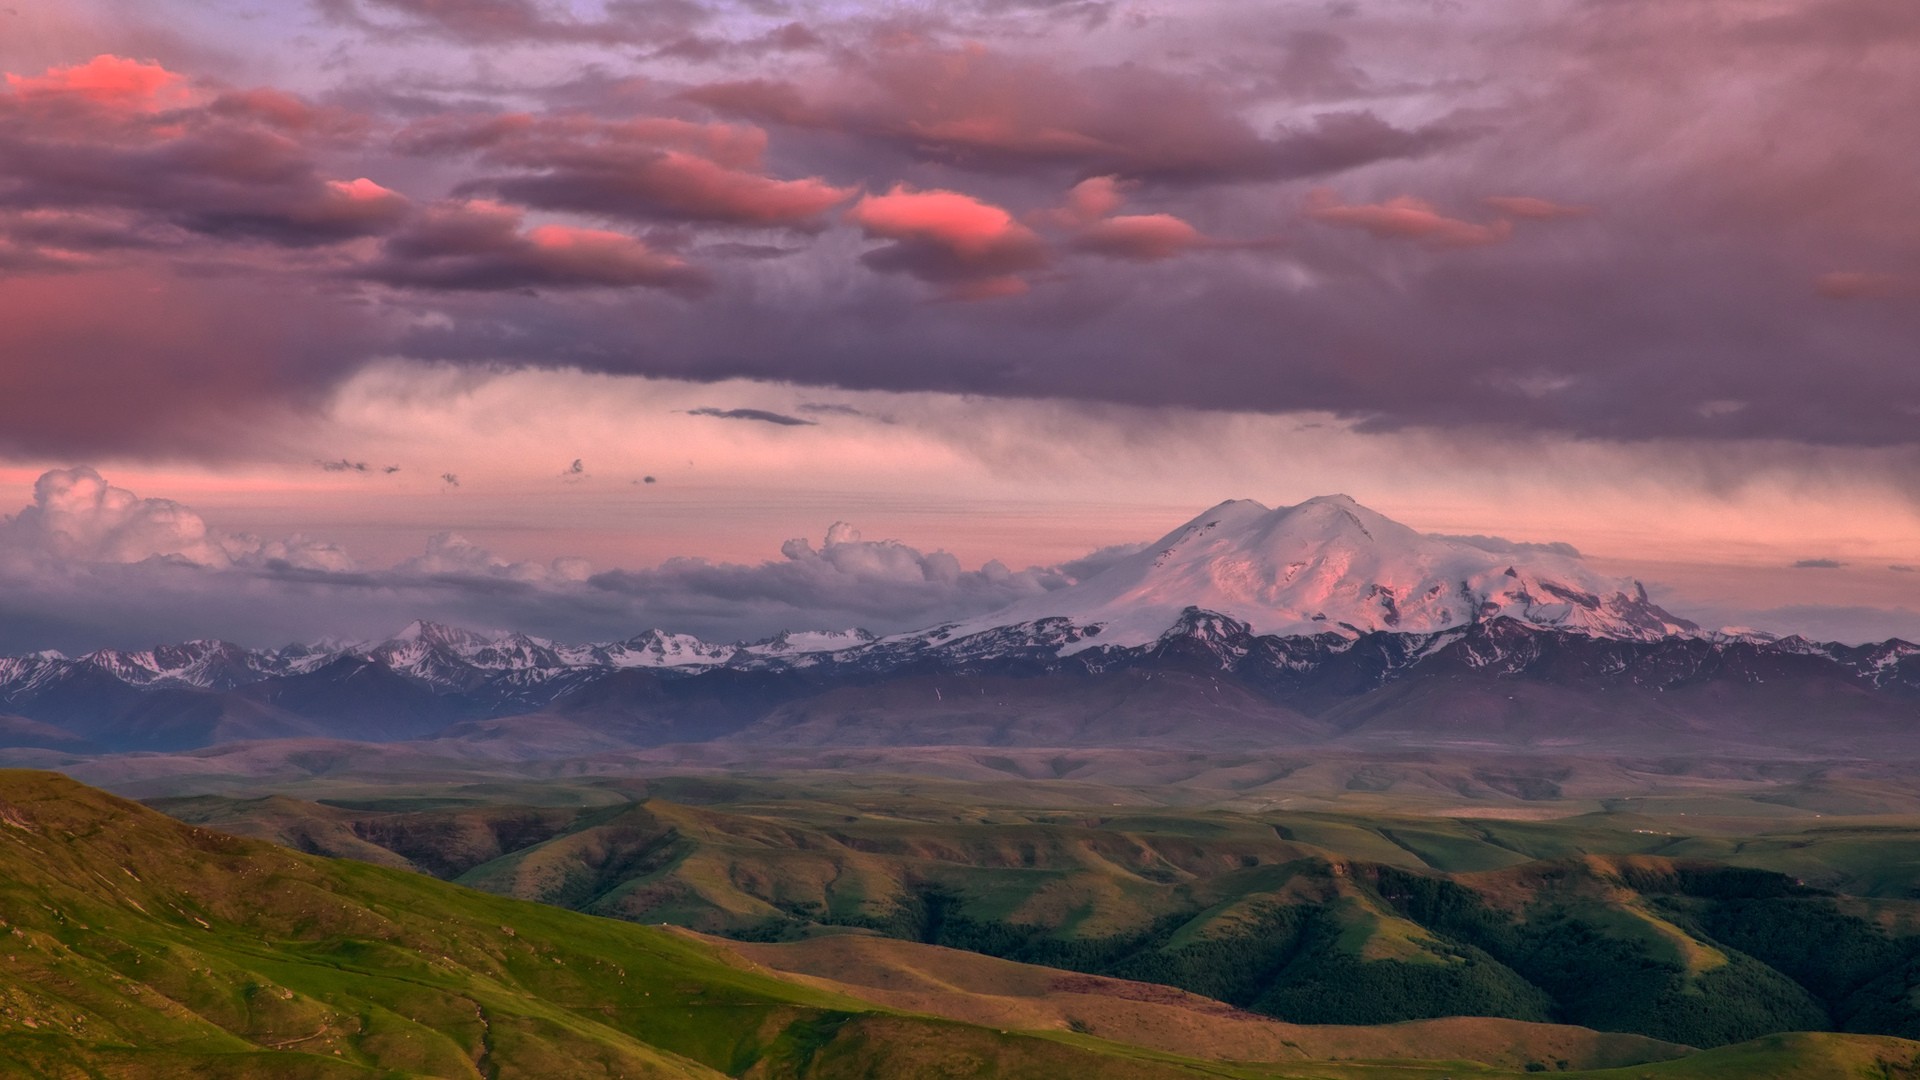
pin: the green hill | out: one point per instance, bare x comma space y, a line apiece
1314, 918
136, 946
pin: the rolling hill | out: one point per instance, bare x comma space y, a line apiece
1652, 919
137, 946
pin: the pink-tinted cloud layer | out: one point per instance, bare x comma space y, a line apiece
1657, 221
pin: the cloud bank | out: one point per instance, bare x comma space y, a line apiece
88, 564
1507, 217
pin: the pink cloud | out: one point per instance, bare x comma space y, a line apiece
105, 80
1406, 218
1140, 236
482, 246
1089, 216
130, 358
128, 137
974, 248
645, 168
957, 221
1087, 202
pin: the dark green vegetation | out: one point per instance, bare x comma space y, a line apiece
1703, 920
1583, 949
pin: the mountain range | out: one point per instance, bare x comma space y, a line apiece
1246, 626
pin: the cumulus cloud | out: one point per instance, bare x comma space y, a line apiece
131, 136
1094, 562
116, 81
1090, 217
76, 517
88, 564
881, 584
649, 168
453, 555
481, 246
1146, 237
971, 248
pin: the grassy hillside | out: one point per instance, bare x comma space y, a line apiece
136, 946
1612, 919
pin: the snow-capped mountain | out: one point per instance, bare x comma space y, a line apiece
1325, 609
1330, 564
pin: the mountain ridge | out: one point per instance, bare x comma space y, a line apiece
1319, 620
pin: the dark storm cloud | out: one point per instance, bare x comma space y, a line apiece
1661, 222
149, 316
143, 360
130, 136
978, 110
838, 408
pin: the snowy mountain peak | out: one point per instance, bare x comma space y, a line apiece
433, 634
1331, 564
807, 641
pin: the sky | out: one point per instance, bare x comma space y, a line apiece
734, 315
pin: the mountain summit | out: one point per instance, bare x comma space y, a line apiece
1330, 564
